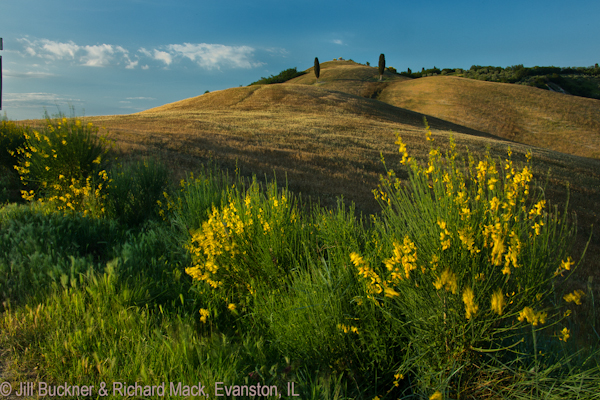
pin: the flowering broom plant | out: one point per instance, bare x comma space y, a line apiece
244, 245
64, 164
467, 255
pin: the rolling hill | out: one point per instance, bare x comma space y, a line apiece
325, 139
569, 124
524, 114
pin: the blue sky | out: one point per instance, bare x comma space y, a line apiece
124, 56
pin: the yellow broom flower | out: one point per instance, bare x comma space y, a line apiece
436, 396
498, 302
565, 334
469, 299
574, 297
446, 280
204, 313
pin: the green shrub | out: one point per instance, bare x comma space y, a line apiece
134, 190
64, 151
153, 259
64, 164
246, 244
283, 76
12, 138
197, 195
466, 265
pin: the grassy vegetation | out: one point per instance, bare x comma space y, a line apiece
457, 288
578, 81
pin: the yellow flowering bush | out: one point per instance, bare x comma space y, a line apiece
64, 164
12, 137
468, 256
243, 243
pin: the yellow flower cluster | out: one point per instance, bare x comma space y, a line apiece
494, 236
374, 284
347, 328
436, 396
444, 235
447, 280
222, 248
564, 266
212, 241
574, 297
498, 302
402, 149
403, 260
75, 195
204, 314
471, 307
532, 317
565, 334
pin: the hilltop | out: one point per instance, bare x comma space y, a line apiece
348, 77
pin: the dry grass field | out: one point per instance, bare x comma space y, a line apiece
325, 138
524, 114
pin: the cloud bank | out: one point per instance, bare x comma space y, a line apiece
205, 55
37, 100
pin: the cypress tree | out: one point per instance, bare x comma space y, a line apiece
381, 66
317, 68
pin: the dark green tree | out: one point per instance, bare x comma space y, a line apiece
317, 68
381, 66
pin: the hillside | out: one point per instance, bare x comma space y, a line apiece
302, 99
541, 118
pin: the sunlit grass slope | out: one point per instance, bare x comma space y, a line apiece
541, 118
300, 100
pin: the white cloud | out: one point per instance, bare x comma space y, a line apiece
163, 56
98, 56
145, 52
57, 50
140, 98
205, 55
338, 41
26, 75
212, 56
50, 49
92, 56
33, 100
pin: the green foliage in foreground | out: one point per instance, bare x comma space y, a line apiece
283, 76
451, 293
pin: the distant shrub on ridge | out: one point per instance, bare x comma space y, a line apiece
283, 76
